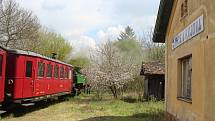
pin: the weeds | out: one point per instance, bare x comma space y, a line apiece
88, 108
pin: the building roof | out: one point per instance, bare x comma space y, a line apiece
29, 53
162, 21
153, 68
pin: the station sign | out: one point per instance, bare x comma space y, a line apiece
189, 32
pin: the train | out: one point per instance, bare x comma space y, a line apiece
27, 77
79, 81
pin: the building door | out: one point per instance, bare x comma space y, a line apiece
29, 78
156, 87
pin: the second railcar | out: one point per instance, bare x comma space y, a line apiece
31, 77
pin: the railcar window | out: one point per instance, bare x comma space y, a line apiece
49, 70
56, 68
66, 73
41, 66
70, 74
1, 60
28, 71
61, 72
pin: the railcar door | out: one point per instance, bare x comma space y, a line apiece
2, 73
29, 77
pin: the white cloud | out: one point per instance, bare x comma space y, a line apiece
82, 46
86, 44
90, 22
54, 4
142, 24
111, 33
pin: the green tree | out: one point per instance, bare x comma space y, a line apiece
128, 47
127, 43
80, 62
128, 34
51, 42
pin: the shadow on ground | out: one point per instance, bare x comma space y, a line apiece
135, 117
129, 99
16, 110
85, 99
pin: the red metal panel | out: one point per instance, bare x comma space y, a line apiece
61, 86
56, 82
2, 74
71, 69
40, 82
64, 80
28, 87
49, 80
67, 81
28, 80
14, 75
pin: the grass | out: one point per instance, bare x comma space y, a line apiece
86, 108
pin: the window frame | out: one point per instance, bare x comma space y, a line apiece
57, 71
184, 9
66, 73
31, 69
185, 80
62, 72
1, 66
70, 73
47, 70
38, 69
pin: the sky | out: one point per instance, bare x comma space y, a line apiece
88, 23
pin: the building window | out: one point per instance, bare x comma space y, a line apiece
28, 69
184, 8
41, 68
56, 71
61, 72
186, 78
49, 71
1, 62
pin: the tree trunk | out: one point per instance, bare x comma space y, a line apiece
114, 91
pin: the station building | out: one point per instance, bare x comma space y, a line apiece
188, 29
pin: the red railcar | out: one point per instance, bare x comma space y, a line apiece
32, 77
2, 72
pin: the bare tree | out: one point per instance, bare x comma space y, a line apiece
152, 51
18, 27
110, 70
